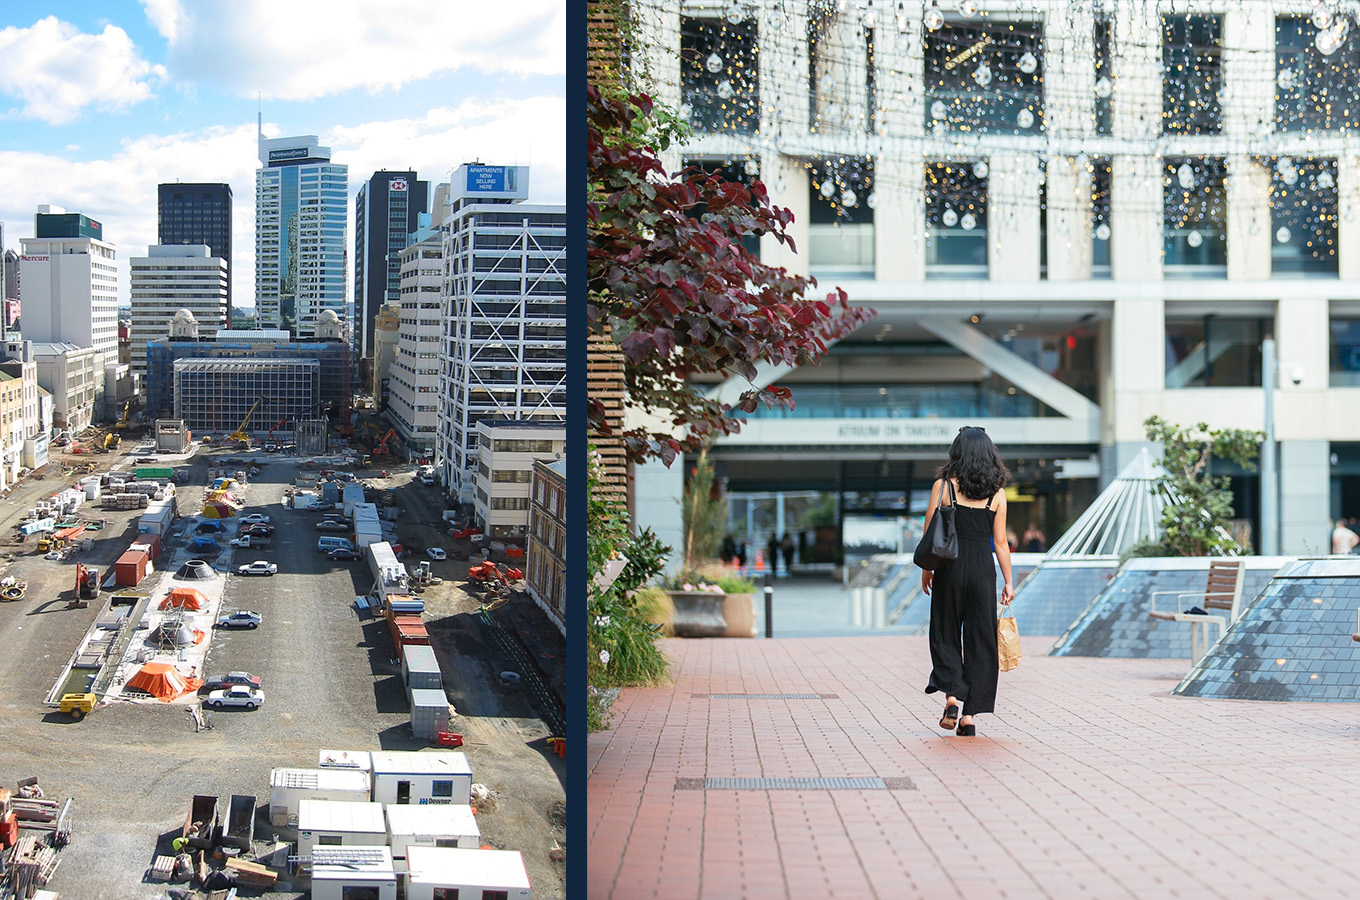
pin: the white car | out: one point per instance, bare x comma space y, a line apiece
254, 518
258, 567
236, 695
436, 554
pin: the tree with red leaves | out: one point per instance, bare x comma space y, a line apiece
679, 293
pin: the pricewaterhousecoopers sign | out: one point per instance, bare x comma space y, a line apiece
293, 153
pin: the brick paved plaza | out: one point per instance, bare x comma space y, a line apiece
1091, 781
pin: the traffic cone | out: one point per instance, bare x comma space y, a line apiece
760, 560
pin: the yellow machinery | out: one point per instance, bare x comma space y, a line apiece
78, 706
112, 440
240, 433
123, 420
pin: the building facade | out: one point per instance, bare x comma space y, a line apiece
170, 278
301, 263
1068, 218
506, 453
386, 210
197, 214
73, 376
217, 395
70, 281
504, 311
545, 557
412, 403
385, 337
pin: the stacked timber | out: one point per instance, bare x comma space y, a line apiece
31, 866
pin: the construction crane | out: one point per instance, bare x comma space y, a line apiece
280, 423
240, 433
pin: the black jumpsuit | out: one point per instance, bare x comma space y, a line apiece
963, 616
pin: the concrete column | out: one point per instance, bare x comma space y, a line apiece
899, 220
1248, 96
1136, 200
1069, 220
782, 63
787, 181
657, 493
1136, 103
1013, 217
1249, 231
1305, 499
842, 56
1348, 228
1069, 75
1138, 371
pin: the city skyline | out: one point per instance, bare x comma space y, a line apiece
100, 109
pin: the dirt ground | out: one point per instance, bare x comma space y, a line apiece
329, 675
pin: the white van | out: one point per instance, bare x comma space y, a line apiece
327, 543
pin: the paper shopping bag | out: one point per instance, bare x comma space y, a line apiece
1007, 641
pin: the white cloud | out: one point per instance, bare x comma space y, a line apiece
58, 70
304, 49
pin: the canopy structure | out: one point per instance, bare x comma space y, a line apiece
163, 681
218, 510
195, 568
225, 484
1129, 510
185, 598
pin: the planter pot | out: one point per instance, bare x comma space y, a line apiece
698, 614
739, 612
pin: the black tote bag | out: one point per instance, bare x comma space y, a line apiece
940, 544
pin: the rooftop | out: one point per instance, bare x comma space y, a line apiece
419, 762
453, 866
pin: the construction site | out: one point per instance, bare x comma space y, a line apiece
113, 614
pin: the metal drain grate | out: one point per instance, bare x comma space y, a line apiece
767, 696
794, 784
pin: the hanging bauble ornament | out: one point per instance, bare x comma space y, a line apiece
934, 19
1283, 164
848, 198
938, 110
780, 186
1322, 16
871, 201
968, 8
869, 17
1186, 176
827, 189
983, 75
968, 223
1104, 87
1028, 63
1102, 232
1024, 118
1290, 176
713, 63
1194, 239
1329, 40
686, 111
725, 89
1283, 235
735, 13
1325, 181
980, 168
832, 112
1254, 227
1287, 79
1040, 178
949, 218
752, 167
938, 129
1082, 161
828, 85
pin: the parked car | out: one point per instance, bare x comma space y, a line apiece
242, 618
271, 447
258, 567
237, 695
427, 478
249, 540
258, 528
231, 679
253, 518
345, 553
436, 554
332, 525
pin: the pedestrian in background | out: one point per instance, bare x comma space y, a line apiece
1343, 539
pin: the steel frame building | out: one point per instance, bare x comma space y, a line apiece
215, 395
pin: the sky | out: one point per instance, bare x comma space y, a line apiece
102, 101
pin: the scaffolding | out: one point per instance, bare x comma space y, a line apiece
213, 395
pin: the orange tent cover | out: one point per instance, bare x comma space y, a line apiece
163, 681
185, 598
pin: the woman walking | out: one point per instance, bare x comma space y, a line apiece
963, 592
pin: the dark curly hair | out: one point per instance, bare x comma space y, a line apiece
974, 462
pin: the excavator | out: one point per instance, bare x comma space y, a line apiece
381, 448
122, 422
239, 435
277, 425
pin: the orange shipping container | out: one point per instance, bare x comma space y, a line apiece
130, 568
407, 630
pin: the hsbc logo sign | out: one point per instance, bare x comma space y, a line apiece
397, 184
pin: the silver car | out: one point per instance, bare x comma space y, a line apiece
237, 695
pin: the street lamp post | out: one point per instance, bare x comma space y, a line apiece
1270, 489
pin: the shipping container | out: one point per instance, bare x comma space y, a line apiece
156, 473
151, 541
131, 568
407, 630
420, 669
352, 495
429, 713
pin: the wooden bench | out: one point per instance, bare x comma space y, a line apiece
1223, 591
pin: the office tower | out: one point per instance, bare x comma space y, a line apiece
197, 214
70, 282
171, 278
385, 212
504, 302
413, 378
300, 246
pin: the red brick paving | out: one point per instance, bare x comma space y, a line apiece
1090, 781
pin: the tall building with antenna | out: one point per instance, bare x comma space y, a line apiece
301, 261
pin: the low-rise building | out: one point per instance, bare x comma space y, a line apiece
441, 872
72, 375
506, 452
545, 559
385, 328
411, 777
11, 427
335, 823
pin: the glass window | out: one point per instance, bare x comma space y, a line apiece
1344, 353
841, 219
441, 789
1315, 90
1194, 229
986, 77
1214, 351
1102, 176
956, 220
1193, 74
1104, 75
1303, 209
719, 74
